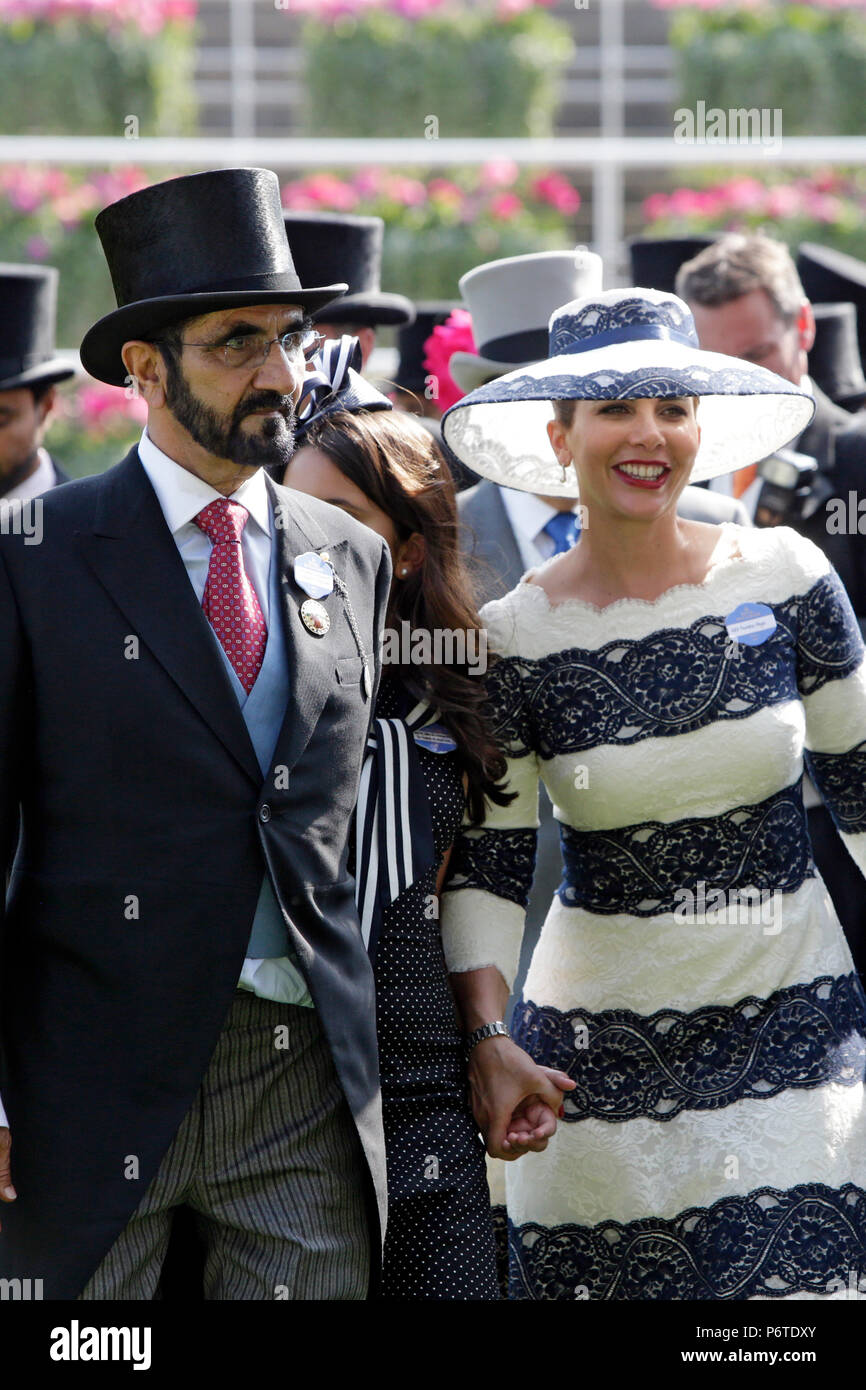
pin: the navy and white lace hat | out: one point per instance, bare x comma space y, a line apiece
611, 346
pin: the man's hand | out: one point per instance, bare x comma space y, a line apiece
7, 1191
515, 1102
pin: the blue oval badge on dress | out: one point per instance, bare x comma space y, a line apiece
751, 623
314, 575
435, 738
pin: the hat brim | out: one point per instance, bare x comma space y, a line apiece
745, 412
470, 370
369, 310
49, 373
101, 348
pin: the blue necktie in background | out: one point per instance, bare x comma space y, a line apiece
563, 529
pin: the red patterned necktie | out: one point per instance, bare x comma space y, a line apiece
230, 602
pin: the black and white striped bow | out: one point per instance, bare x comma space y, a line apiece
333, 381
393, 824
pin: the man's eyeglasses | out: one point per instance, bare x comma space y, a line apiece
251, 349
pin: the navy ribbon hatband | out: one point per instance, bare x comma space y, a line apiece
622, 335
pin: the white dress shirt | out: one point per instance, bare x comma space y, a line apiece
42, 479
528, 516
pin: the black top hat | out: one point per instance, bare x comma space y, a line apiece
190, 246
656, 260
834, 362
28, 307
339, 245
411, 372
832, 276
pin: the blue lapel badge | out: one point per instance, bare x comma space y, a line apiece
313, 574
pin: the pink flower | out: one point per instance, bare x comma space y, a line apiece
655, 207
552, 188
367, 183
685, 203
102, 405
37, 249
324, 191
744, 195
454, 335
783, 200
498, 173
445, 193
410, 192
505, 206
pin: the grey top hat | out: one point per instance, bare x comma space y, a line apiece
511, 301
191, 246
28, 309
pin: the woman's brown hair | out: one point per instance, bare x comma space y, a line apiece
398, 465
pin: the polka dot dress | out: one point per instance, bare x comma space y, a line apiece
439, 1242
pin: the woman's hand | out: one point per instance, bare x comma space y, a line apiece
515, 1102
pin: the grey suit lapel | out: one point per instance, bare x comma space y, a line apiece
310, 659
491, 543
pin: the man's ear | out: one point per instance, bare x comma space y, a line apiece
806, 326
44, 407
145, 371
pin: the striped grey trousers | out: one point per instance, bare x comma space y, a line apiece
269, 1161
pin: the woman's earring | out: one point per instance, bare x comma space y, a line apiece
564, 474
403, 571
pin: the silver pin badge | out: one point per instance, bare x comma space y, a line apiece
315, 617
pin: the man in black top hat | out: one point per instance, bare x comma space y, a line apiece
748, 301
29, 372
344, 246
186, 1004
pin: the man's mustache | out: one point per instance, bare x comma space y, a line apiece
266, 400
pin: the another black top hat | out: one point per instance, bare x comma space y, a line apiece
190, 246
411, 372
28, 308
832, 276
834, 362
656, 260
339, 245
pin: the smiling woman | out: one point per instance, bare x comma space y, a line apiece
664, 679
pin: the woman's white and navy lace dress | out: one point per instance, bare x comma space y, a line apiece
691, 975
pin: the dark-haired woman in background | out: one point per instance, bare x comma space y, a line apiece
433, 758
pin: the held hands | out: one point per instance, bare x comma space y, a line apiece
7, 1191
515, 1102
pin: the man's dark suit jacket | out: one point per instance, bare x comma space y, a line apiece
147, 828
837, 441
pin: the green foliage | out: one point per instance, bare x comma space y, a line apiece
479, 75
428, 264
73, 77
807, 62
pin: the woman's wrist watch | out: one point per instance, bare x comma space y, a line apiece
487, 1030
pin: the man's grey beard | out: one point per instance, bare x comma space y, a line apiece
225, 439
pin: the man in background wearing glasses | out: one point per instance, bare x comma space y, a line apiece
188, 662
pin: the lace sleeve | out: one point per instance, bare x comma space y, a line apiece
484, 902
831, 676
